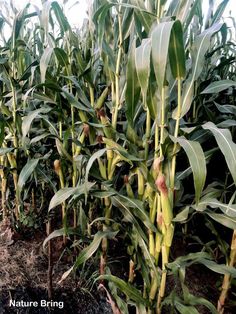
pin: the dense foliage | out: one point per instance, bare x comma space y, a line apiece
123, 130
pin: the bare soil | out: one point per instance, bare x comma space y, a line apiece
23, 276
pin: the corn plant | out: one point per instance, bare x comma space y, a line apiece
119, 123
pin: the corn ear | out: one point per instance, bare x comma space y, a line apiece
102, 98
141, 183
165, 202
151, 243
102, 169
169, 235
154, 287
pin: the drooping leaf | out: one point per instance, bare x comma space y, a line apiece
130, 291
139, 209
201, 258
58, 233
228, 222
182, 216
218, 86
197, 162
75, 102
26, 172
228, 109
186, 309
227, 146
61, 196
86, 253
27, 120
227, 209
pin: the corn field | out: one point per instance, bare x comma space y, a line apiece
122, 134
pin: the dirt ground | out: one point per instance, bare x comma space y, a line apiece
23, 276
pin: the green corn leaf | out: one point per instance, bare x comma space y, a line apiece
139, 210
176, 51
185, 309
121, 150
100, 17
61, 196
229, 109
128, 215
199, 49
127, 23
153, 102
183, 10
132, 88
218, 86
43, 97
26, 172
227, 209
182, 216
193, 300
73, 101
61, 18
88, 252
147, 256
227, 146
160, 47
58, 233
229, 222
44, 62
146, 18
39, 138
2, 129
219, 12
81, 93
93, 247
197, 162
142, 62
130, 291
226, 124
201, 258
44, 16
219, 268
27, 120
190, 14
62, 151
61, 56
92, 159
